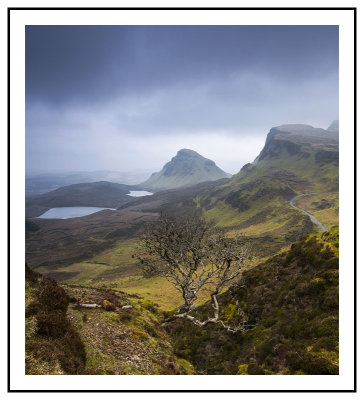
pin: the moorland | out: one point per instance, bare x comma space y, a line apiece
288, 293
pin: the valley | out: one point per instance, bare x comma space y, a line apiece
182, 207
289, 194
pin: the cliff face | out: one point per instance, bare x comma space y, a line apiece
299, 140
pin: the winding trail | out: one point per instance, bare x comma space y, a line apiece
313, 219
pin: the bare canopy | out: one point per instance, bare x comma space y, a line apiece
191, 254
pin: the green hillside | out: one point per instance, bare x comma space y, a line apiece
122, 335
254, 203
295, 159
291, 303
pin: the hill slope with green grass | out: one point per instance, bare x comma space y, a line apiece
80, 330
296, 159
254, 204
291, 301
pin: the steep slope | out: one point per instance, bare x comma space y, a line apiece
80, 330
187, 168
291, 301
94, 194
52, 344
310, 153
295, 159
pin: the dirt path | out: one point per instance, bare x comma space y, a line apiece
313, 219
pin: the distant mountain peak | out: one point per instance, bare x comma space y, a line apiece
334, 126
187, 152
186, 168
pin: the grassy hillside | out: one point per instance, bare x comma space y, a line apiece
292, 302
255, 202
96, 250
122, 335
323, 206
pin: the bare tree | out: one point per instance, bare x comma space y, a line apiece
191, 254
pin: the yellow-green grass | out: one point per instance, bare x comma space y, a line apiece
328, 216
88, 271
318, 176
226, 216
269, 226
279, 216
156, 289
118, 255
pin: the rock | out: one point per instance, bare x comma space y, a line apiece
90, 305
127, 307
108, 306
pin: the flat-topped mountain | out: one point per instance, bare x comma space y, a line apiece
187, 168
298, 139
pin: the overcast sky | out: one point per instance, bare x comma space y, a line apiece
129, 97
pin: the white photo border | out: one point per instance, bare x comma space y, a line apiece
345, 19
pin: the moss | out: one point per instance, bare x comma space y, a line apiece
230, 313
291, 301
149, 305
186, 367
111, 317
243, 369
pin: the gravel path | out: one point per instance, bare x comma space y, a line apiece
313, 219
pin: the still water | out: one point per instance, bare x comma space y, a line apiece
71, 212
139, 193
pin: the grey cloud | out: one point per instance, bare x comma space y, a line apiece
118, 97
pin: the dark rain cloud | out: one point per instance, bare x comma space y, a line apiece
130, 85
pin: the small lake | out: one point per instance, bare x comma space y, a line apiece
71, 212
139, 193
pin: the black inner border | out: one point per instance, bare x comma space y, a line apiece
9, 390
